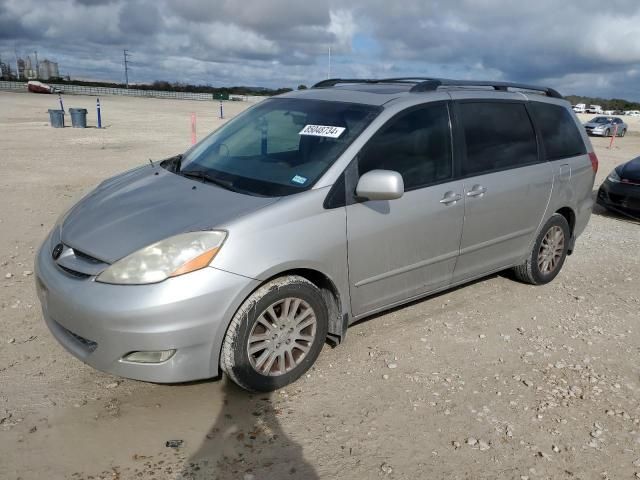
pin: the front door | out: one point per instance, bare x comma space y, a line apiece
402, 248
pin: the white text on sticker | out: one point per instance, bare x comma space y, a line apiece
322, 131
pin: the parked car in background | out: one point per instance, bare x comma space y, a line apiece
606, 127
308, 212
579, 108
633, 113
620, 192
597, 109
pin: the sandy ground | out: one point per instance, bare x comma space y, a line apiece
493, 380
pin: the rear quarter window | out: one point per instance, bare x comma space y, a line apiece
560, 135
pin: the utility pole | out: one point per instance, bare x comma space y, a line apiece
126, 56
35, 52
15, 51
329, 72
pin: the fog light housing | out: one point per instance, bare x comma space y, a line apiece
149, 357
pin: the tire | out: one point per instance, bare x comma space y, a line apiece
607, 133
263, 320
536, 271
623, 132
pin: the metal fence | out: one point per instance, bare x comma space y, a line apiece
101, 91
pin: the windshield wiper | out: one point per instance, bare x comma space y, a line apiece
207, 177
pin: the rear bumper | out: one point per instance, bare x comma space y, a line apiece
625, 197
100, 323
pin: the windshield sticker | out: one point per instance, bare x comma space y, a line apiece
322, 131
299, 179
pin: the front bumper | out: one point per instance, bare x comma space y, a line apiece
621, 196
596, 133
100, 323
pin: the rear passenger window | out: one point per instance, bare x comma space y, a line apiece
560, 135
416, 144
497, 136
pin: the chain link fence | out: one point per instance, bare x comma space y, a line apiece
101, 91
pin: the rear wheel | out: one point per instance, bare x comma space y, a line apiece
623, 132
607, 133
276, 335
548, 253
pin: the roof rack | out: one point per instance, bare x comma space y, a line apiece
425, 84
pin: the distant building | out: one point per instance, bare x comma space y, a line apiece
29, 71
5, 71
48, 69
21, 68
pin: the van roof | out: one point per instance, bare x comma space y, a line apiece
380, 91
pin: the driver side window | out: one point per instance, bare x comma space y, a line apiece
416, 144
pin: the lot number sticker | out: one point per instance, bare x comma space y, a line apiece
322, 131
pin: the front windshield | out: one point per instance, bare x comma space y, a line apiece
279, 147
601, 120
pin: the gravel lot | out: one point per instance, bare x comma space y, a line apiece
492, 380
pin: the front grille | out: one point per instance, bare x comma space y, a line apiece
74, 273
89, 345
86, 257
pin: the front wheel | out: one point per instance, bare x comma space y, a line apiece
548, 253
276, 335
607, 133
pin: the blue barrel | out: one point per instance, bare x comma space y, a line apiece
78, 117
56, 117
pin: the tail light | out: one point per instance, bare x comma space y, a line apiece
594, 161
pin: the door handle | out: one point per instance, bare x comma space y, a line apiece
450, 198
476, 191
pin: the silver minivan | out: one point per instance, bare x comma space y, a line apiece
310, 211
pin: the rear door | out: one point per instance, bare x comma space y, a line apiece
507, 185
402, 248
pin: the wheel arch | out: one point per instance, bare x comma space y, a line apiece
570, 217
337, 313
338, 317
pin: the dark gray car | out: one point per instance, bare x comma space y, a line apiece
310, 211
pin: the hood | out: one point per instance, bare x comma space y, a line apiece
595, 125
630, 171
146, 205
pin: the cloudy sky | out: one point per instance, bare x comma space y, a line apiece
589, 47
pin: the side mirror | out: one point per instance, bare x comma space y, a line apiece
380, 185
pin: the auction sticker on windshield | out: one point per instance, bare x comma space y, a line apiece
322, 131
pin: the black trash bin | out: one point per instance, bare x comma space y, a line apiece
78, 117
56, 118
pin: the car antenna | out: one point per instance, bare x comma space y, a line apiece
151, 162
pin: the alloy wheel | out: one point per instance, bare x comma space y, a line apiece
551, 250
282, 336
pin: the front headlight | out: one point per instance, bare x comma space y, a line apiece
613, 176
171, 257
